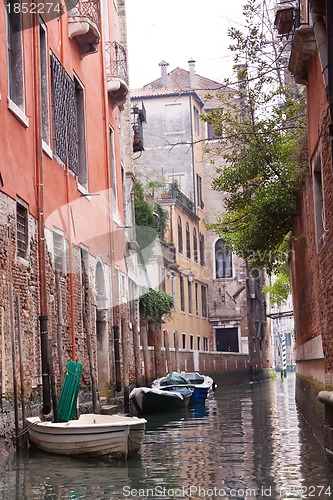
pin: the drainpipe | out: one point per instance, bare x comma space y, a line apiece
41, 234
192, 155
321, 41
329, 31
70, 250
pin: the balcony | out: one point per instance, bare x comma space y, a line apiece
169, 255
84, 23
116, 72
173, 192
302, 49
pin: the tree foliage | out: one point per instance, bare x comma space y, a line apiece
155, 305
150, 219
259, 162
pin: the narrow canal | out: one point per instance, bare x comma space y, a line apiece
249, 442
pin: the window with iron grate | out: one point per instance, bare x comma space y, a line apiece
22, 230
64, 115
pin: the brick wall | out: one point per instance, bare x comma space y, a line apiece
24, 277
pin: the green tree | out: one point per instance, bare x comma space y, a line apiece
155, 305
260, 160
150, 219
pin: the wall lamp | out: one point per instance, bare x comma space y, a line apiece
190, 275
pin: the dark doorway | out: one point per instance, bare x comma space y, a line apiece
227, 339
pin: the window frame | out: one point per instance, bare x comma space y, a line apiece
22, 213
188, 240
195, 245
180, 234
221, 265
81, 135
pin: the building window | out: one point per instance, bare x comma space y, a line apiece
44, 84
22, 224
180, 235
173, 291
195, 245
214, 133
191, 342
113, 172
64, 115
173, 118
223, 260
196, 120
188, 241
15, 54
319, 203
190, 300
198, 343
202, 249
205, 340
196, 299
58, 251
184, 340
81, 133
204, 301
199, 192
182, 294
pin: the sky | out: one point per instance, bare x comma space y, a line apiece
177, 31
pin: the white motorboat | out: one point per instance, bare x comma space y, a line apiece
90, 435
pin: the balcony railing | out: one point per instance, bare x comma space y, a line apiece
84, 22
116, 72
173, 192
177, 194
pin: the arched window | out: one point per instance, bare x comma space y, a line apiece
188, 241
195, 245
180, 235
202, 249
223, 260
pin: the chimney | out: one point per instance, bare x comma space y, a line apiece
164, 74
191, 64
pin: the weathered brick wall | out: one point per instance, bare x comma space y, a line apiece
312, 271
209, 362
24, 277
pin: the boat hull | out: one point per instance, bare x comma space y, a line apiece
202, 385
146, 400
90, 435
199, 395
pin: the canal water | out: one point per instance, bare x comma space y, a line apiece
249, 442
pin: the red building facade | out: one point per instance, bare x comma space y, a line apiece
311, 264
63, 194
